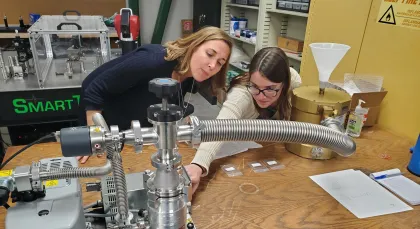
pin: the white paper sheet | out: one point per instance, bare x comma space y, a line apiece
400, 185
403, 187
360, 194
351, 87
232, 148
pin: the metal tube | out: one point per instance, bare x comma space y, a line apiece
333, 124
277, 131
69, 68
164, 104
68, 173
112, 150
167, 144
149, 135
113, 154
98, 215
120, 187
99, 120
82, 67
99, 58
185, 133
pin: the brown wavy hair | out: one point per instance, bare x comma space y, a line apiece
183, 48
273, 64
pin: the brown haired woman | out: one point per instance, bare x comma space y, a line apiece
119, 88
263, 93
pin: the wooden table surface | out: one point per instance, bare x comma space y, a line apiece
285, 198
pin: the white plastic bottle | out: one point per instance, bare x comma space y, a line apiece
356, 120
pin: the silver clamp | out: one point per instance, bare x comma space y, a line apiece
36, 180
138, 137
22, 177
166, 165
127, 222
115, 138
196, 132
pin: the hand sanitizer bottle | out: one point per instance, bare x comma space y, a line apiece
356, 120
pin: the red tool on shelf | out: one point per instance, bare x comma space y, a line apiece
128, 29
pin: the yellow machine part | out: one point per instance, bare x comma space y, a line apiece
309, 105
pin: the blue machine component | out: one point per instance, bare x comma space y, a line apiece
414, 165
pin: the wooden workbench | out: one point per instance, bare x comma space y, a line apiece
285, 198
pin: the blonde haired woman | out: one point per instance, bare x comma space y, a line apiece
119, 88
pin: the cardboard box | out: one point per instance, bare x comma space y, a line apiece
373, 101
290, 44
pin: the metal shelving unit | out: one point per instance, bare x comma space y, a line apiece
246, 11
243, 6
242, 40
288, 12
269, 22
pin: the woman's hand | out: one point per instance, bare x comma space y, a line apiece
82, 159
187, 120
195, 172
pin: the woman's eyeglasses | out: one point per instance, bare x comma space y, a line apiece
268, 92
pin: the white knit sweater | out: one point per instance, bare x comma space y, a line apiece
239, 104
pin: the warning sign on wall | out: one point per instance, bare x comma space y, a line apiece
404, 13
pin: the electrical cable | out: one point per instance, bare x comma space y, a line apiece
98, 215
91, 205
26, 147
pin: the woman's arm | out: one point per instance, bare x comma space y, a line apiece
238, 105
119, 76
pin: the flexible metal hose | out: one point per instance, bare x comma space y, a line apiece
333, 124
120, 186
68, 173
114, 164
277, 131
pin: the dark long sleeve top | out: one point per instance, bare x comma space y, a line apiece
119, 88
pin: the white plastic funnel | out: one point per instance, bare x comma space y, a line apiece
327, 56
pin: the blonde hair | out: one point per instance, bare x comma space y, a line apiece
183, 48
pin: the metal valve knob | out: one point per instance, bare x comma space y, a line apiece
163, 87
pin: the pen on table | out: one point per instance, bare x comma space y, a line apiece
387, 176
